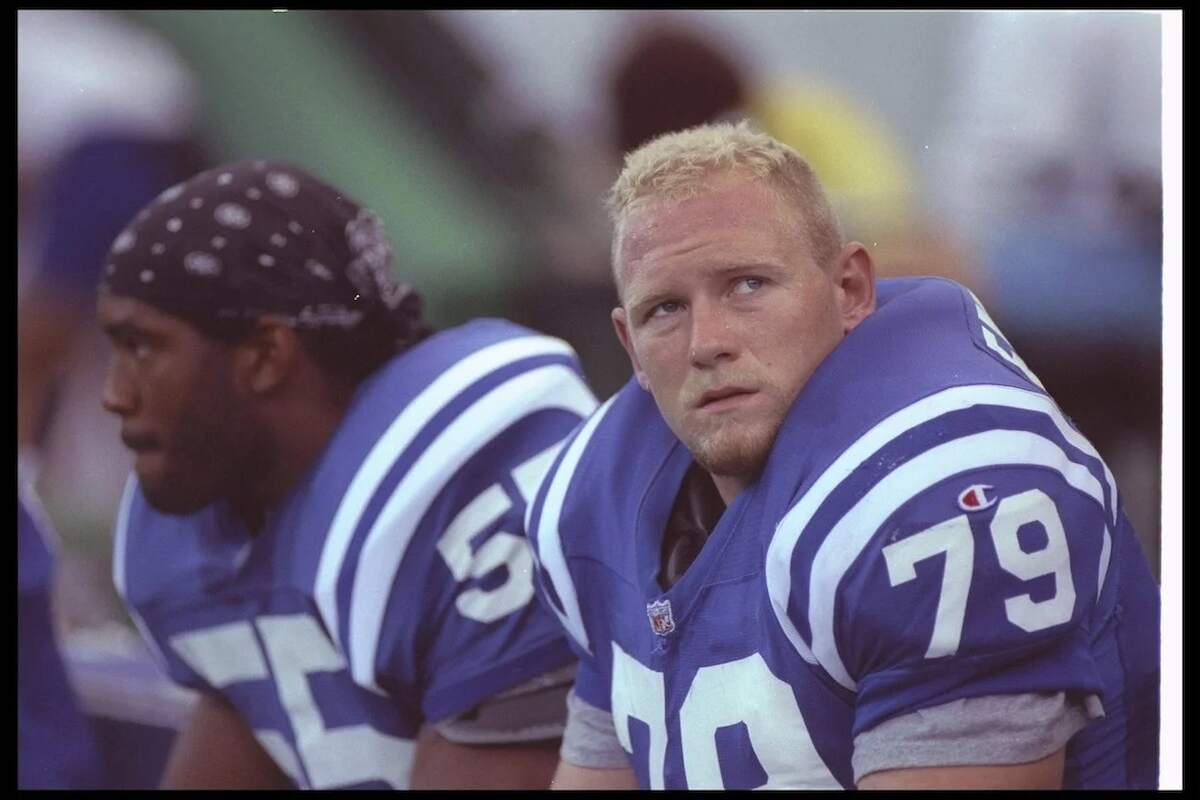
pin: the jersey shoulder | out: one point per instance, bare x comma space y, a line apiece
436, 404
594, 498
480, 405
951, 519
161, 557
929, 346
926, 333
597, 482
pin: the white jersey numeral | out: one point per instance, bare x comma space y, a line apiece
768, 709
1034, 506
953, 537
637, 692
990, 332
295, 647
503, 548
762, 702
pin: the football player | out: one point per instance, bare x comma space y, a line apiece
324, 531
833, 533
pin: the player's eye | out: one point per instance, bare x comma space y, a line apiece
664, 309
747, 285
132, 344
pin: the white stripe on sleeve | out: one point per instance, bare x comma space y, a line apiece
548, 543
395, 440
552, 386
854, 530
792, 526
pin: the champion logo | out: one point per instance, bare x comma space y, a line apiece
976, 498
661, 621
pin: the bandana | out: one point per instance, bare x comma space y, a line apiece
261, 237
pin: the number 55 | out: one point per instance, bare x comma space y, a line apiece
501, 548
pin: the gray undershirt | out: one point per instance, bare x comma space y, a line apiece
590, 739
532, 711
994, 729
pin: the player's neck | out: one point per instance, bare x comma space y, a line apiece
730, 486
297, 437
694, 516
300, 444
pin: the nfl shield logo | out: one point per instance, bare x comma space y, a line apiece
661, 621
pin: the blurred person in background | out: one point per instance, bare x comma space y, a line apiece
99, 135
105, 121
1062, 199
871, 183
56, 747
662, 77
667, 75
670, 76
738, 541
324, 531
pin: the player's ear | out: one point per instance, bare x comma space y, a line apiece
265, 357
854, 282
621, 324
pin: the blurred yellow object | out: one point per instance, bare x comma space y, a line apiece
863, 168
868, 178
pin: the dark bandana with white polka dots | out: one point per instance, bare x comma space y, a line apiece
260, 237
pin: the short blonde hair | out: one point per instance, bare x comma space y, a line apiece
676, 166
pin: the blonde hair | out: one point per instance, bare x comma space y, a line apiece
677, 165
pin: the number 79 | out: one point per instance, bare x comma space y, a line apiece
953, 537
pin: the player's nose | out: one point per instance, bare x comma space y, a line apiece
118, 395
714, 337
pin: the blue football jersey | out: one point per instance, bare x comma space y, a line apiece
929, 526
394, 584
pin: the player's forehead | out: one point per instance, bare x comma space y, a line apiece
731, 221
727, 197
116, 312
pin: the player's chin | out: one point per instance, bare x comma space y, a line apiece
740, 450
170, 495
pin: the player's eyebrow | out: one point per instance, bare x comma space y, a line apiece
121, 327
747, 266
640, 304
643, 304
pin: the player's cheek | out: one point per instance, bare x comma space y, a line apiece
664, 358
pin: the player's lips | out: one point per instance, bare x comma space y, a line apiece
723, 397
139, 442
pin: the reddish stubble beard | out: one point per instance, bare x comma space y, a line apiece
737, 441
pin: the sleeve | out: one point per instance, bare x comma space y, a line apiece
590, 739
559, 596
962, 557
983, 584
454, 621
474, 661
559, 592
992, 729
533, 711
